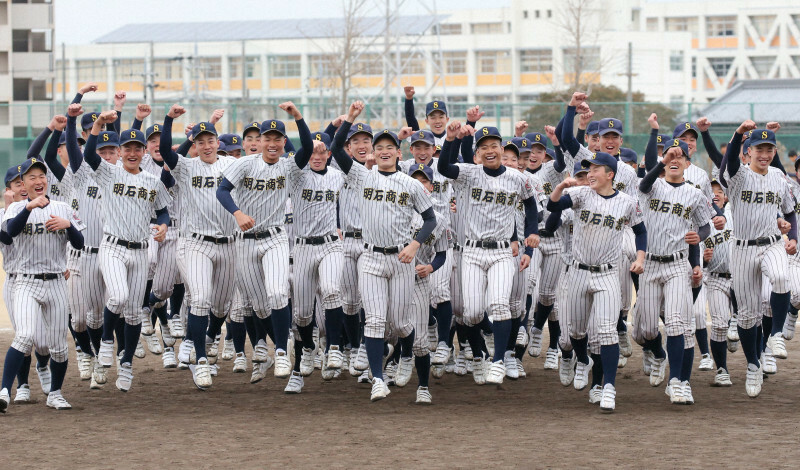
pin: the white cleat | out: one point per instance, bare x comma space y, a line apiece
479, 370
334, 359
201, 374
658, 372
153, 345
124, 377
595, 394
768, 363
99, 377
674, 391
535, 344
688, 398
176, 328
147, 325
295, 384
388, 373
168, 358
777, 345
283, 367
259, 372
240, 363
510, 363
260, 352
364, 378
437, 371
789, 326
753, 381
468, 353
352, 363
722, 378
622, 361
706, 363
139, 349
566, 370
496, 373
609, 399
185, 351
44, 379
404, 370
84, 365
379, 390
23, 394
423, 396
212, 348
582, 374
106, 354
362, 361
228, 352
625, 347
522, 337
647, 361
520, 369
733, 330
460, 364
5, 399
56, 401
551, 359
166, 336
441, 355
307, 362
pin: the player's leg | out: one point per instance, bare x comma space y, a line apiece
136, 280
498, 293
605, 307
113, 261
747, 283
330, 293
579, 305
373, 283
699, 312
626, 286
275, 269
351, 299
400, 320
566, 368
719, 307
548, 282
474, 267
418, 309
221, 296
77, 309
54, 321
775, 266
164, 280
794, 287
306, 261
27, 297
441, 300
677, 318
645, 322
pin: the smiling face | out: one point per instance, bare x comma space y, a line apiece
35, 182
422, 152
319, 157
593, 143
490, 151
760, 157
720, 199
537, 155
691, 140
437, 121
18, 188
610, 143
522, 161
152, 146
600, 177
359, 146
131, 154
509, 159
674, 164
582, 178
272, 144
426, 183
386, 154
251, 144
207, 145
109, 154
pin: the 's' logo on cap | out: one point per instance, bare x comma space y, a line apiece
658, 139
133, 134
435, 105
234, 140
764, 135
610, 123
360, 127
485, 131
421, 167
273, 125
155, 128
318, 136
524, 143
202, 126
105, 137
538, 137
675, 143
688, 126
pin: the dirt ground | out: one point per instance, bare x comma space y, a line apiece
164, 421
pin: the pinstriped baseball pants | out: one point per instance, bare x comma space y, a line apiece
352, 250
749, 266
386, 286
41, 316
125, 274
519, 288
209, 271
317, 268
719, 305
263, 272
419, 313
667, 285
456, 296
593, 305
93, 290
487, 276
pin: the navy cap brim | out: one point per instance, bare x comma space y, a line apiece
383, 135
609, 130
37, 164
512, 147
761, 141
421, 173
696, 134
107, 144
484, 137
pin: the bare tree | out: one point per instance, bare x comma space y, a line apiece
582, 22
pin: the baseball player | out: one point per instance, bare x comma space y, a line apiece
756, 195
263, 183
41, 229
129, 196
601, 211
435, 116
388, 201
488, 266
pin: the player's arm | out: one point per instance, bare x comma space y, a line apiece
558, 164
445, 165
73, 149
225, 198
16, 224
166, 178
75, 236
411, 120
337, 146
553, 222
567, 134
646, 185
165, 144
651, 151
531, 231
87, 88
303, 155
791, 217
557, 201
640, 239
731, 161
711, 148
38, 143
142, 111
119, 102
5, 238
51, 155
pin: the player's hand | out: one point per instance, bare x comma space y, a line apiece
290, 108
551, 134
784, 226
708, 253
719, 222
405, 133
409, 91
653, 121
746, 126
514, 249
637, 267
56, 223
370, 161
66, 274
339, 120
453, 127
216, 116
40, 201
577, 98
465, 130
568, 183
119, 100
703, 124
692, 238
697, 275
59, 122
176, 110
773, 126
453, 207
355, 109
582, 108
519, 128
244, 221
188, 130
75, 110
791, 247
142, 111
524, 262
8, 197
585, 119
88, 88
423, 270
474, 114
532, 241
106, 117
161, 233
407, 254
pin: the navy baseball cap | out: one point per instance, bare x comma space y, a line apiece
579, 168
437, 149
386, 133
273, 125
593, 128
88, 119
522, 143
685, 127
133, 135
203, 128
509, 144
762, 136
154, 129
421, 168
680, 144
322, 137
253, 126
746, 145
423, 136
537, 138
628, 155
222, 148
435, 106
359, 127
487, 132
550, 153
31, 163
12, 174
107, 139
662, 139
604, 126
601, 158
62, 139
231, 141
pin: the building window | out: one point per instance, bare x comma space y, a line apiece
537, 14
92, 70
210, 67
676, 61
41, 40
285, 66
167, 69
589, 58
455, 63
762, 65
253, 67
21, 92
489, 104
549, 13
540, 60
321, 66
721, 65
367, 64
450, 28
487, 28
652, 24
682, 24
796, 60
411, 64
490, 62
525, 14
19, 39
717, 26
128, 70
763, 23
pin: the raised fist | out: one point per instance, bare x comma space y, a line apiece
409, 91
577, 98
653, 120
519, 128
88, 88
703, 124
176, 111
142, 111
474, 114
75, 110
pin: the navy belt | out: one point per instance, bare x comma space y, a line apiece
763, 241
261, 235
665, 258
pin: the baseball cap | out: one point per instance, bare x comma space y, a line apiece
359, 127
253, 126
88, 119
421, 168
662, 139
273, 125
487, 132
423, 136
593, 128
386, 133
154, 129
762, 136
132, 135
537, 138
222, 148
62, 139
550, 153
107, 139
322, 137
685, 127
628, 155
231, 141
31, 163
522, 143
437, 149
12, 174
509, 144
203, 128
746, 145
579, 168
435, 106
680, 144
601, 158
607, 125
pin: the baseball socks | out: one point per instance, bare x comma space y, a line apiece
675, 350
502, 331
719, 350
654, 346
214, 327
407, 344
353, 329
24, 370
750, 346
281, 320
132, 333
238, 333
176, 300
58, 371
609, 355
554, 327
334, 318
686, 367
375, 356
597, 370
444, 316
85, 342
580, 348
109, 324
196, 326
14, 360
701, 335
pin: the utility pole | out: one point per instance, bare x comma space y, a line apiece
629, 97
63, 72
244, 74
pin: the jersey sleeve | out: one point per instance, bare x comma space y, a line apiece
578, 196
788, 201
635, 214
355, 178
13, 210
237, 171
419, 197
181, 170
465, 175
72, 216
293, 173
162, 198
703, 211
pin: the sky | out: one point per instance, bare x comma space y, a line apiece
81, 21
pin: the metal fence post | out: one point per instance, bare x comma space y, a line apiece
752, 112
29, 133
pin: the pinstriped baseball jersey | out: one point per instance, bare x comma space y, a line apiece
598, 223
697, 177
442, 188
567, 230
755, 202
288, 222
198, 180
349, 205
436, 242
89, 205
541, 201
129, 201
387, 204
458, 220
9, 252
672, 211
174, 207
720, 242
314, 198
39, 250
491, 201
549, 177
626, 180
60, 190
262, 188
